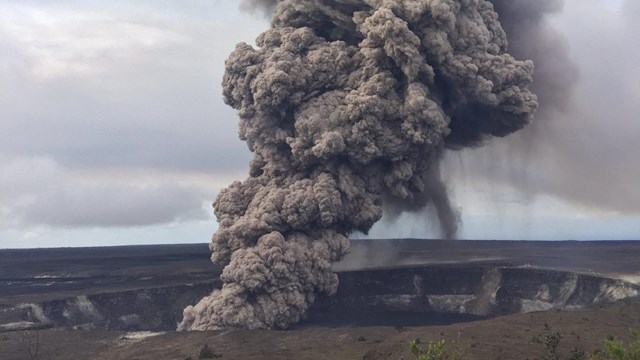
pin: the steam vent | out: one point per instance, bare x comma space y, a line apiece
382, 282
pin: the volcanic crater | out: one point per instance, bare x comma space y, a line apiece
382, 283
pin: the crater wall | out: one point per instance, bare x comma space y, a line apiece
399, 282
425, 294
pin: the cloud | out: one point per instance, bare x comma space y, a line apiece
587, 153
125, 98
113, 87
63, 42
38, 191
111, 113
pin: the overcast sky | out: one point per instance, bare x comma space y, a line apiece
113, 129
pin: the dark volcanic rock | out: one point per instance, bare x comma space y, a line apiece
419, 283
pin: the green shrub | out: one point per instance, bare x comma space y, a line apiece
617, 350
435, 351
551, 340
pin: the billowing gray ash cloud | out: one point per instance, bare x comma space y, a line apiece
347, 105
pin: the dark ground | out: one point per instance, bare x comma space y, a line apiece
41, 274
37, 275
507, 338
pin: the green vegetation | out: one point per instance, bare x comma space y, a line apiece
618, 350
435, 351
551, 341
614, 349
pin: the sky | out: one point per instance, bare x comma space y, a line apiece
113, 130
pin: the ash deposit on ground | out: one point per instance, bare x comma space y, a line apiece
348, 107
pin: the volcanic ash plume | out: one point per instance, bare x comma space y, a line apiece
344, 104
